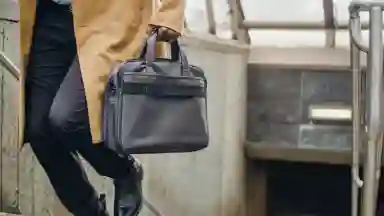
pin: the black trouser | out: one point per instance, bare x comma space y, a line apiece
57, 125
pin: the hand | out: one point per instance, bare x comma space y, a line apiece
163, 33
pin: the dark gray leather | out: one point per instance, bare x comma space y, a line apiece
156, 105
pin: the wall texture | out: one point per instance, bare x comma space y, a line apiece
278, 104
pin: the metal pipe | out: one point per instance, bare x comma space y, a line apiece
8, 64
249, 24
236, 19
379, 151
354, 16
330, 23
210, 17
375, 65
356, 144
354, 35
152, 208
357, 6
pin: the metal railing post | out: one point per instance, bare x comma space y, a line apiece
9, 65
357, 74
375, 81
372, 112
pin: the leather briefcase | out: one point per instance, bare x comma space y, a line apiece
156, 105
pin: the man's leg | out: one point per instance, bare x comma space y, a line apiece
53, 50
69, 118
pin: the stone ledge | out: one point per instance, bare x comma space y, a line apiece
9, 10
8, 214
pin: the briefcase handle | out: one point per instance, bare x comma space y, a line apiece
148, 53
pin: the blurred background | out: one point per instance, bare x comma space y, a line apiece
273, 11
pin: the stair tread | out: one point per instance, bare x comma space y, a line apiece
8, 214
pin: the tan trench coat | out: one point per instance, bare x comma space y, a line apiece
107, 31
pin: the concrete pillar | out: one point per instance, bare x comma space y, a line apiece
210, 182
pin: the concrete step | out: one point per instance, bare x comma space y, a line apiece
8, 214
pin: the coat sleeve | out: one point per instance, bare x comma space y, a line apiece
170, 14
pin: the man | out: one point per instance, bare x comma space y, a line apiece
69, 48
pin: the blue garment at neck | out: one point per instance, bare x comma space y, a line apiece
63, 2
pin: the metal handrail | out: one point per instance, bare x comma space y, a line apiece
358, 109
9, 65
368, 116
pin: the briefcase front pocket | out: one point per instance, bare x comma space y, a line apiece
150, 124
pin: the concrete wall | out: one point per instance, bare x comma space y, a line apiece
210, 182
9, 157
206, 183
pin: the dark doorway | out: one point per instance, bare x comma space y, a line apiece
296, 189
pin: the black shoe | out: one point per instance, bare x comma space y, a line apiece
103, 205
128, 191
